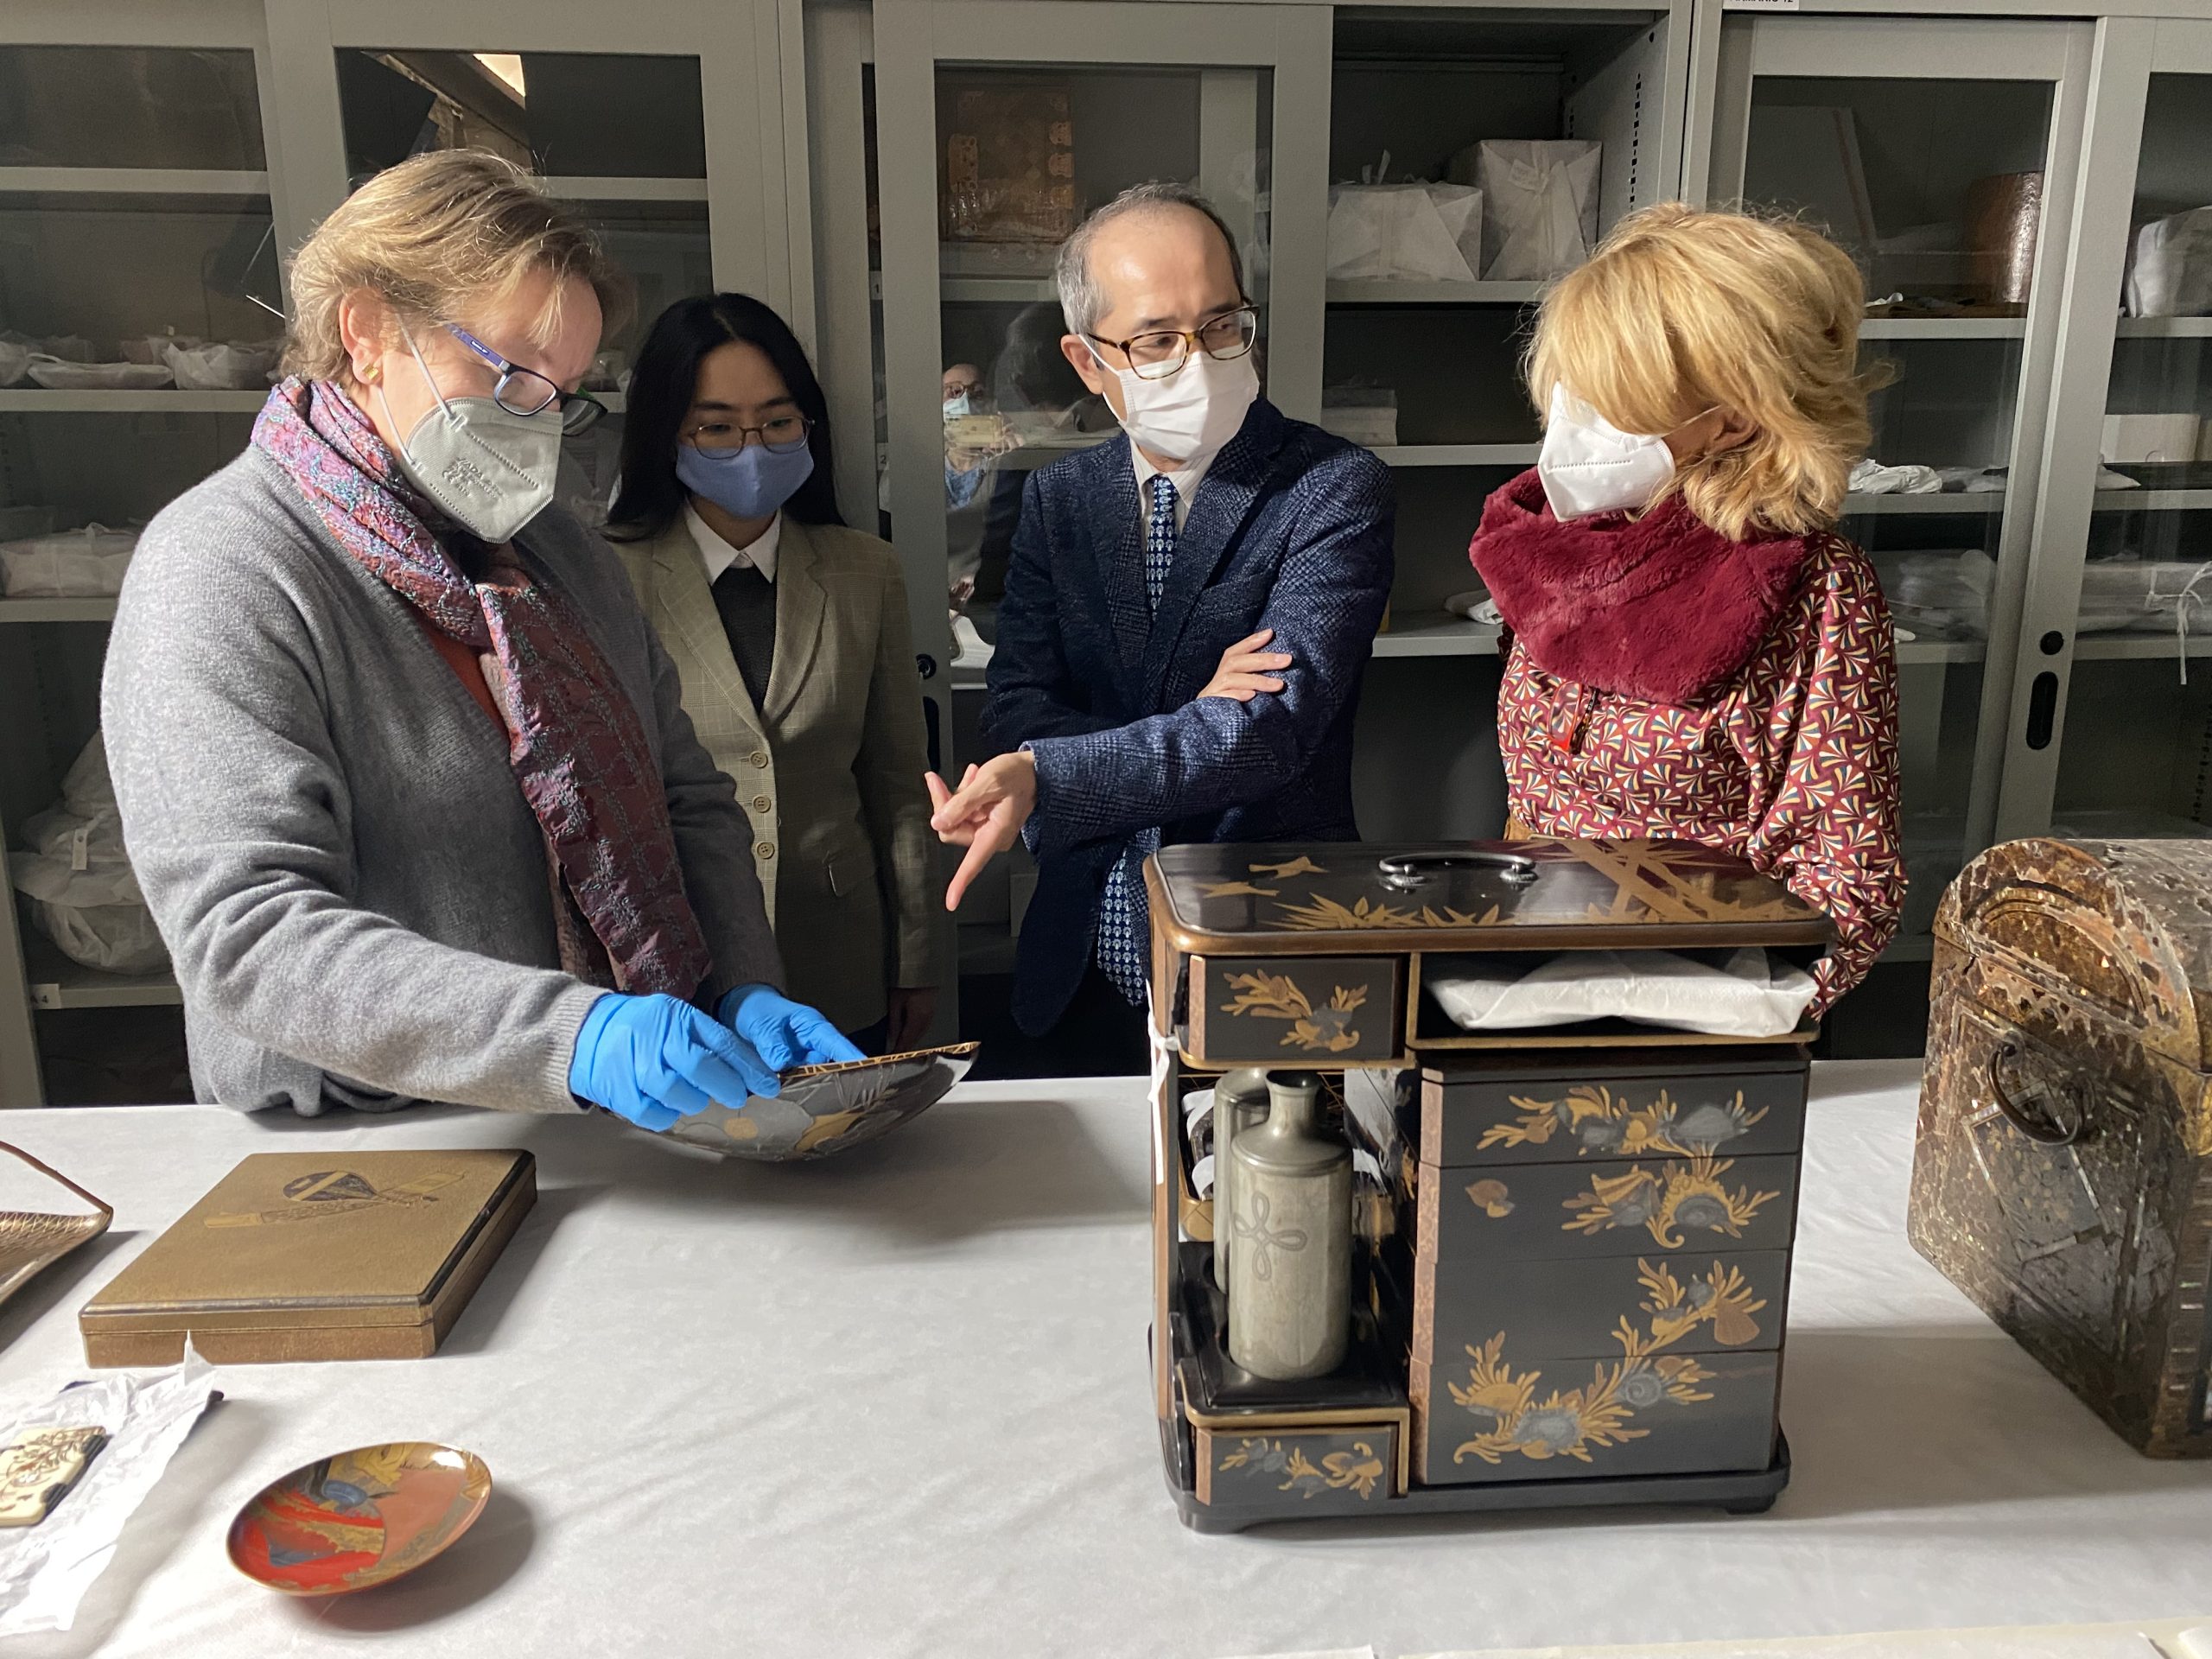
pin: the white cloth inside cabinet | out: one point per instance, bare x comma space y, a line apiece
1540, 204
78, 879
83, 563
2172, 275
1404, 232
1748, 996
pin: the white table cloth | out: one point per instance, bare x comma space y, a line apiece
896, 1404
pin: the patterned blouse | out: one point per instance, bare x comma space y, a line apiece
1791, 765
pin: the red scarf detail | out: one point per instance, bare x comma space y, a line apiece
1661, 608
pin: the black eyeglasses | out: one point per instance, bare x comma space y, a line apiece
782, 435
526, 392
1157, 355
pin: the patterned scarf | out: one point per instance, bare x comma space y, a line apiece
573, 741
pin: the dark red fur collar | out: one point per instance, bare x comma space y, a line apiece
1661, 608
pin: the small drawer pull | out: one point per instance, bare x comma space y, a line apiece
2037, 1130
1405, 871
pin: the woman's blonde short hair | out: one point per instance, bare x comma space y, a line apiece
1680, 311
436, 236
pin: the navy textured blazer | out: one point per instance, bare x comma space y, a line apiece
1290, 530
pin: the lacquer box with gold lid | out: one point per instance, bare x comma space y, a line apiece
1571, 1242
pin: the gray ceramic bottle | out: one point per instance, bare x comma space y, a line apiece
1290, 1262
1240, 1102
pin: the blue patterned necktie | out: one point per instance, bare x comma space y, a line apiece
1124, 923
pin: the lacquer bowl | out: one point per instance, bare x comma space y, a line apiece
829, 1108
359, 1519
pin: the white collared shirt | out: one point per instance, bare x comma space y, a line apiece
1186, 482
718, 555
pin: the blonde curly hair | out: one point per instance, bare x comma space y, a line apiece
1682, 311
436, 236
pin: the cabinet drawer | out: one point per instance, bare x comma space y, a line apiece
1684, 1304
1554, 1113
1669, 1206
1487, 1419
1321, 1011
1338, 1470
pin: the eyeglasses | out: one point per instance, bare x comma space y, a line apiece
526, 392
1156, 356
783, 434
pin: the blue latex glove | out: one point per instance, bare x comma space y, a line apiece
654, 1060
782, 1032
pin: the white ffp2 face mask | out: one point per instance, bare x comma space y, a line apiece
1193, 412
492, 470
1589, 465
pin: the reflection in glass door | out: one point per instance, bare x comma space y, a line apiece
1936, 155
2136, 756
997, 127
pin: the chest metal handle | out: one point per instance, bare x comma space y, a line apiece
1405, 871
2042, 1132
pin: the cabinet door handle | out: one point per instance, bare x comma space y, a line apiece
2042, 708
2041, 1131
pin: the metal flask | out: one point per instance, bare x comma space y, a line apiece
1290, 1262
1240, 1102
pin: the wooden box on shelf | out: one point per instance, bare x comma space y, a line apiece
1572, 1245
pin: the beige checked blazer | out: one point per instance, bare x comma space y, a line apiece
829, 772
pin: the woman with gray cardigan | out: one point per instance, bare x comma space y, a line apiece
404, 771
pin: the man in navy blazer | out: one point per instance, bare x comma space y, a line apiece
1189, 609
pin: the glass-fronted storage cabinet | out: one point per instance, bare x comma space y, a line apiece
1939, 155
1474, 154
996, 128
2112, 727
139, 321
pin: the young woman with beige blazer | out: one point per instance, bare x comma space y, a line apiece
789, 631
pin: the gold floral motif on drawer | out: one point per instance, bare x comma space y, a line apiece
1664, 1201
1569, 1422
1359, 1470
1597, 1120
1325, 1030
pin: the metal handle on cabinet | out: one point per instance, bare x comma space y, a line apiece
2036, 1129
1405, 871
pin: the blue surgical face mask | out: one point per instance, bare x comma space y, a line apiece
960, 403
751, 483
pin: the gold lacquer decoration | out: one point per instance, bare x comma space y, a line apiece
1276, 996
1490, 1197
1571, 1422
1320, 913
1663, 1201
1675, 884
1299, 866
1597, 1120
1234, 889
1357, 1471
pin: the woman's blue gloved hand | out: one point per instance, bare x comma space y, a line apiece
783, 1033
654, 1060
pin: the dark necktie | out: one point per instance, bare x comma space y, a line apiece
1124, 918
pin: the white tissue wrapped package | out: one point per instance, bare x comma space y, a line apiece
222, 365
85, 563
1944, 593
2171, 274
78, 879
1404, 232
1540, 204
1748, 996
